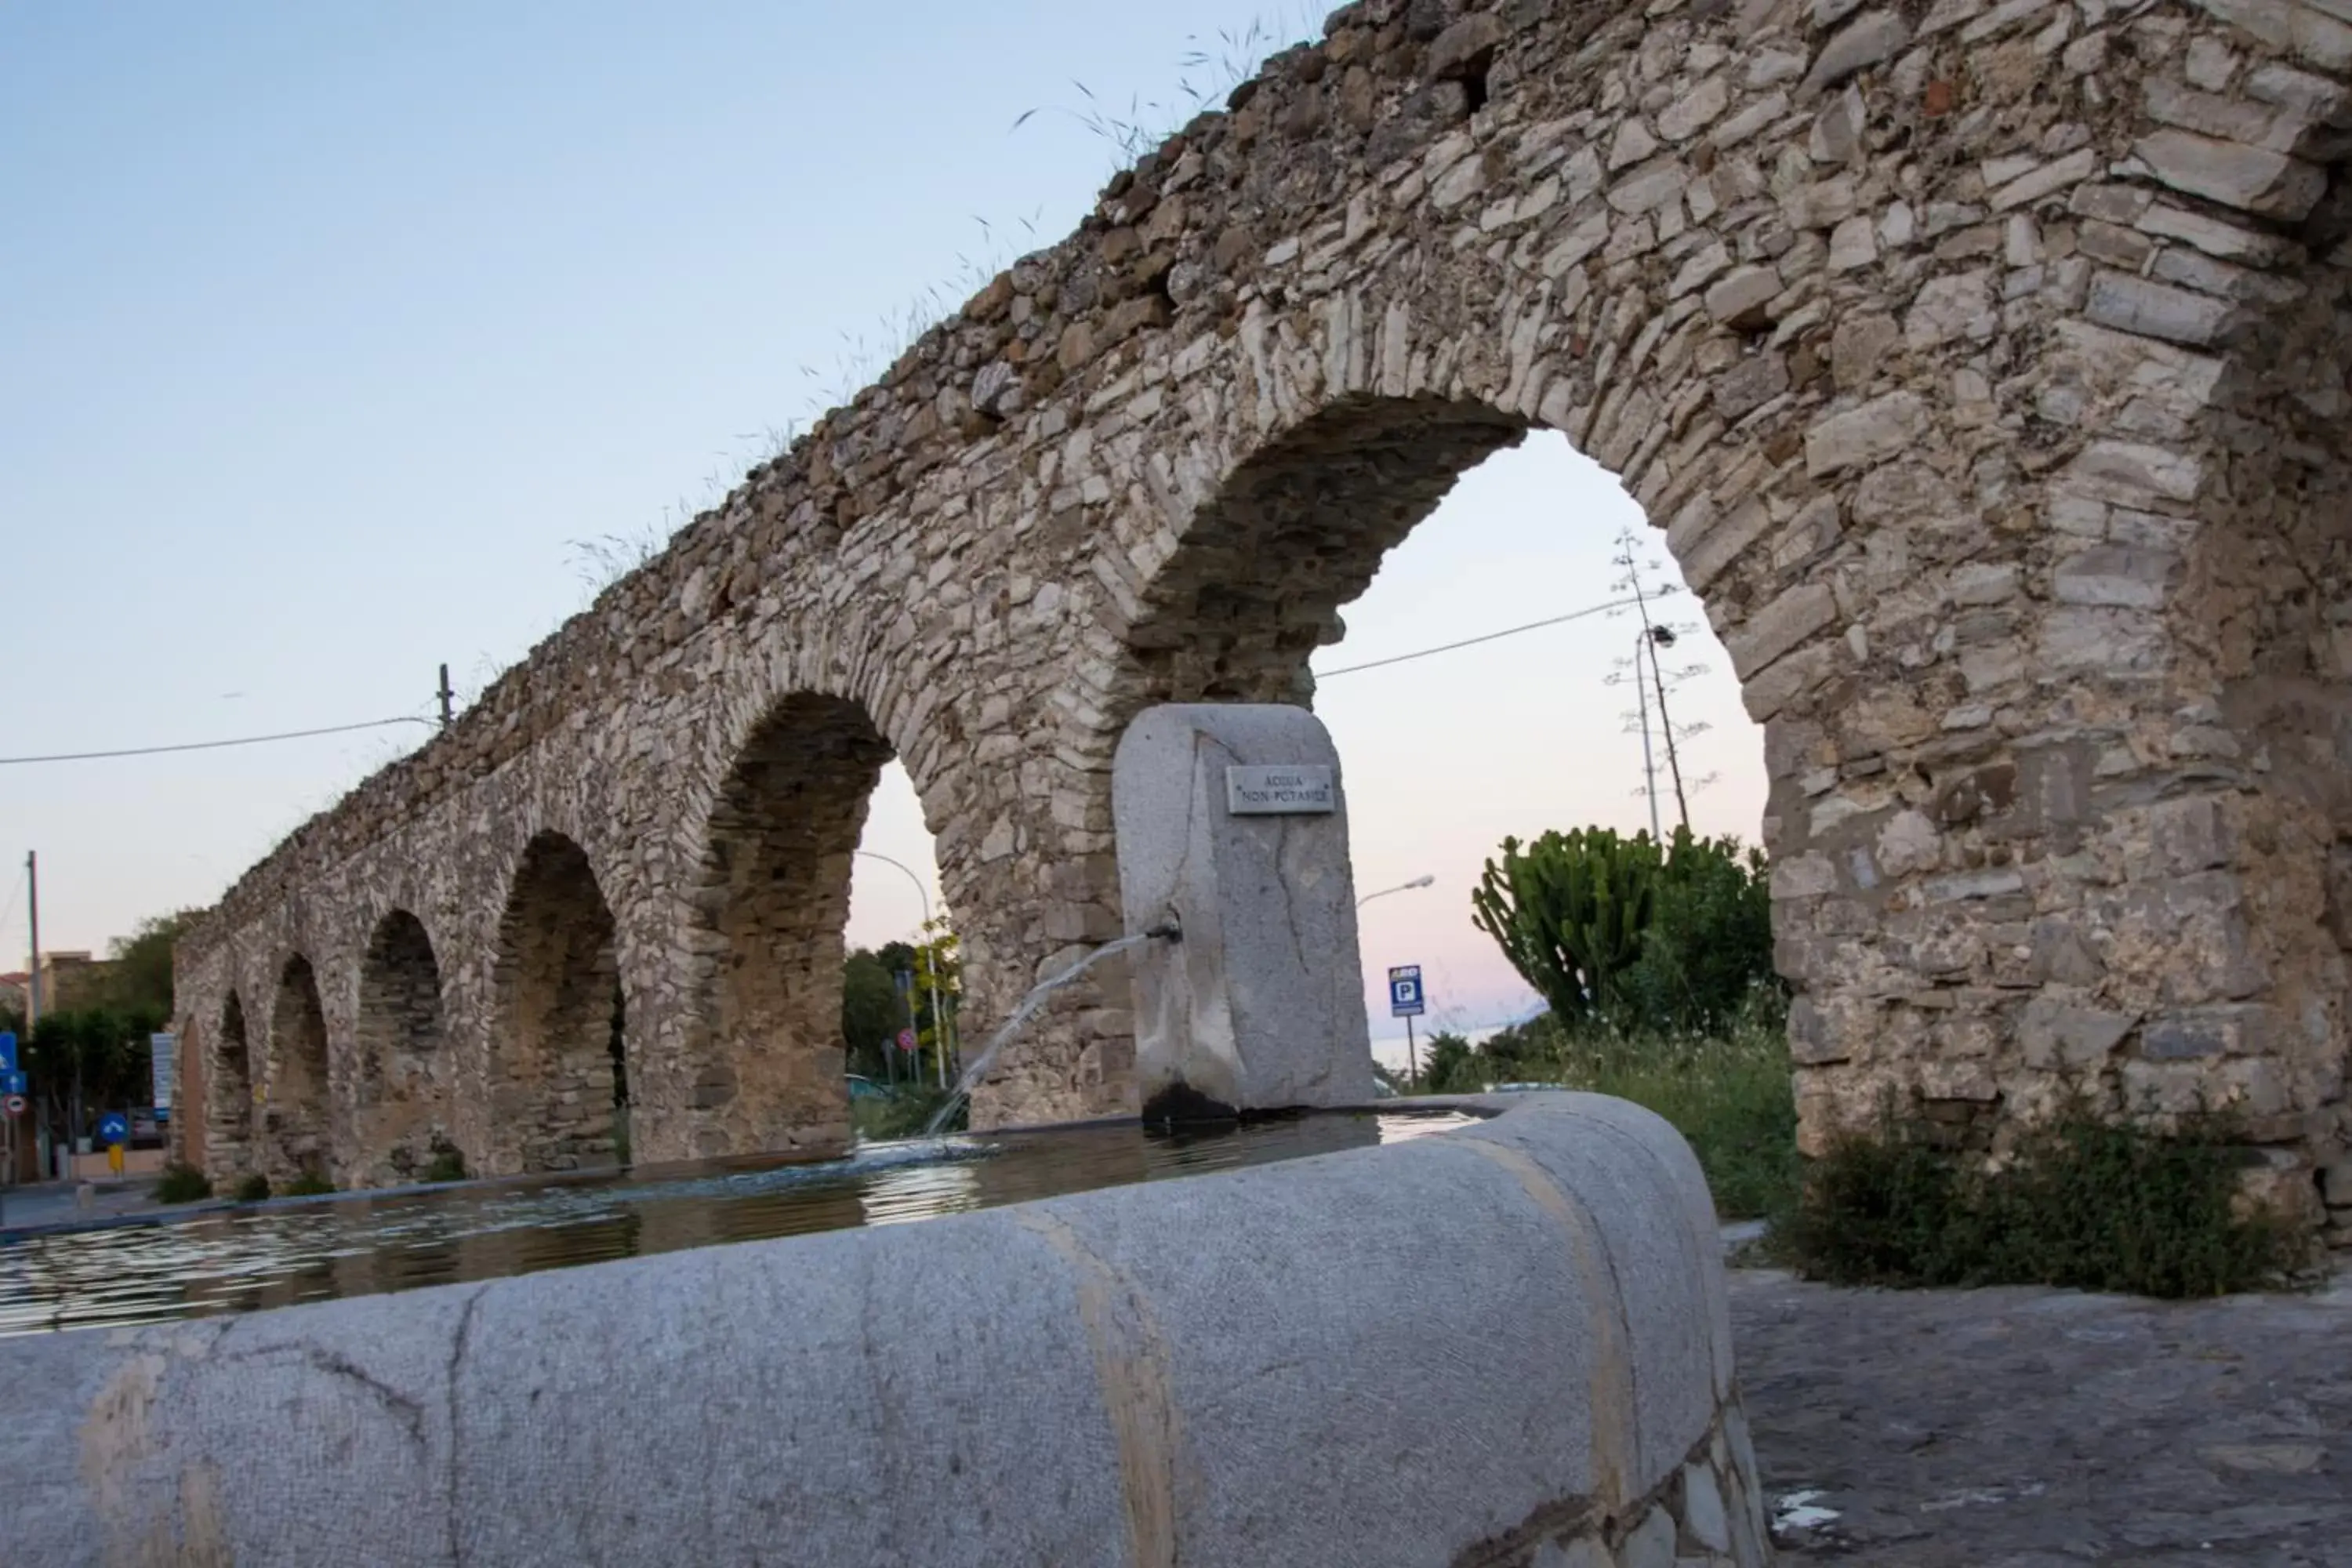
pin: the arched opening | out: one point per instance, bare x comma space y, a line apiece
775, 891
402, 1101
228, 1097
1461, 716
297, 1119
1257, 584
557, 1101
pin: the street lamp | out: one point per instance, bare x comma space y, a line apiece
930, 970
1400, 887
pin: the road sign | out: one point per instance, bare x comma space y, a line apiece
1404, 992
113, 1127
163, 1057
7, 1050
11, 1081
906, 1039
14, 1104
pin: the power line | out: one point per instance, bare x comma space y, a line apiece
1598, 609
1490, 637
216, 745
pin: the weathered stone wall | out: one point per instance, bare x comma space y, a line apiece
1983, 362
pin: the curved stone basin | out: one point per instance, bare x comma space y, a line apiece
249, 1258
1504, 1344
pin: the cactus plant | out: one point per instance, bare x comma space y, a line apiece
1569, 911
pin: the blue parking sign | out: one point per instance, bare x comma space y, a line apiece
1404, 992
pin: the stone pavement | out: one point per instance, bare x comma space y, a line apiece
2032, 1428
57, 1203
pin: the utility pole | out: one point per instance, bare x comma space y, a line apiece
33, 900
1653, 636
1656, 637
1642, 695
32, 904
448, 698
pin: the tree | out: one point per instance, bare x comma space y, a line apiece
138, 966
1451, 1067
1707, 955
102, 1051
870, 1013
938, 982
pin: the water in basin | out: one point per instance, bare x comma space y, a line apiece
275, 1255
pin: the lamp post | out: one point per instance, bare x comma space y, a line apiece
930, 970
1423, 882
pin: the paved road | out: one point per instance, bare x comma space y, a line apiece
2030, 1429
57, 1202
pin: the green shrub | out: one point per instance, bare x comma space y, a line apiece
182, 1183
1707, 954
1729, 1095
2080, 1203
1632, 934
1732, 1098
1448, 1066
310, 1183
448, 1165
252, 1189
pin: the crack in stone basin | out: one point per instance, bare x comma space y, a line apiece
244, 1260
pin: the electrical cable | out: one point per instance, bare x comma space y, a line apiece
216, 745
406, 719
1473, 642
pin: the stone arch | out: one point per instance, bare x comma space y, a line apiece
558, 1074
1298, 530
402, 1111
772, 898
228, 1095
298, 1117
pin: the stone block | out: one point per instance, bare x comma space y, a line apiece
1739, 300
1260, 1006
2133, 304
2115, 575
2236, 1029
1869, 38
1880, 429
2058, 1036
2251, 179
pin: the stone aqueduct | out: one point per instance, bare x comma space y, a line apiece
1983, 361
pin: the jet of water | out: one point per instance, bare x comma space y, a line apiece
1028, 1008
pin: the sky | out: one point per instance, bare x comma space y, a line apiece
342, 341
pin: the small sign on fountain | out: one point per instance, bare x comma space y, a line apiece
1293, 788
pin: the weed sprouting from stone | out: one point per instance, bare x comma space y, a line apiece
252, 1189
308, 1183
182, 1184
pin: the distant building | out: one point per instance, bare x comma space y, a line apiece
70, 979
